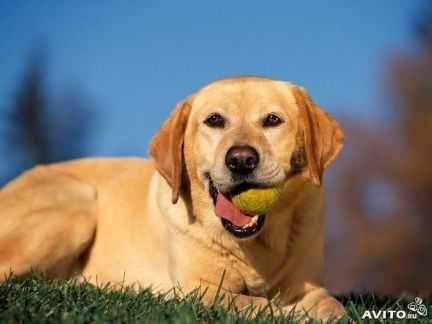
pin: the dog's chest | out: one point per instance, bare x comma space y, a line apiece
258, 273
256, 284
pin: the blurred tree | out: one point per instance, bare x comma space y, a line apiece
27, 116
382, 193
44, 129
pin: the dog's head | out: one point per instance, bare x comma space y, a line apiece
243, 132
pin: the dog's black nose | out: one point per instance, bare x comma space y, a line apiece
242, 159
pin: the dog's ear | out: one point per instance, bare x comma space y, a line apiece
166, 147
323, 137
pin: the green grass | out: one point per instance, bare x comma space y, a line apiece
36, 300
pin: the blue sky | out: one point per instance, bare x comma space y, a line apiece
136, 59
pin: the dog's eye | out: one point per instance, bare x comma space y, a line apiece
272, 120
215, 121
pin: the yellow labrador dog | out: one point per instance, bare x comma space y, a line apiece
167, 222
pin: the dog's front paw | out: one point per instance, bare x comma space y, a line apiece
317, 305
328, 309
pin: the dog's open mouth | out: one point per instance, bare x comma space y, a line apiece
235, 221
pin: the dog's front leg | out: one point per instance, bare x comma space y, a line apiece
316, 304
212, 294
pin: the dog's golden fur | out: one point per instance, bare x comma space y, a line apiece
152, 223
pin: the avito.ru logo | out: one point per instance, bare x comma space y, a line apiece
416, 309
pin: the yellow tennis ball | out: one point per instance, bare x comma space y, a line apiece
257, 201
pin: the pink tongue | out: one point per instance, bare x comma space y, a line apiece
226, 209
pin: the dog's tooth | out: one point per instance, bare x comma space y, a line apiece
252, 222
